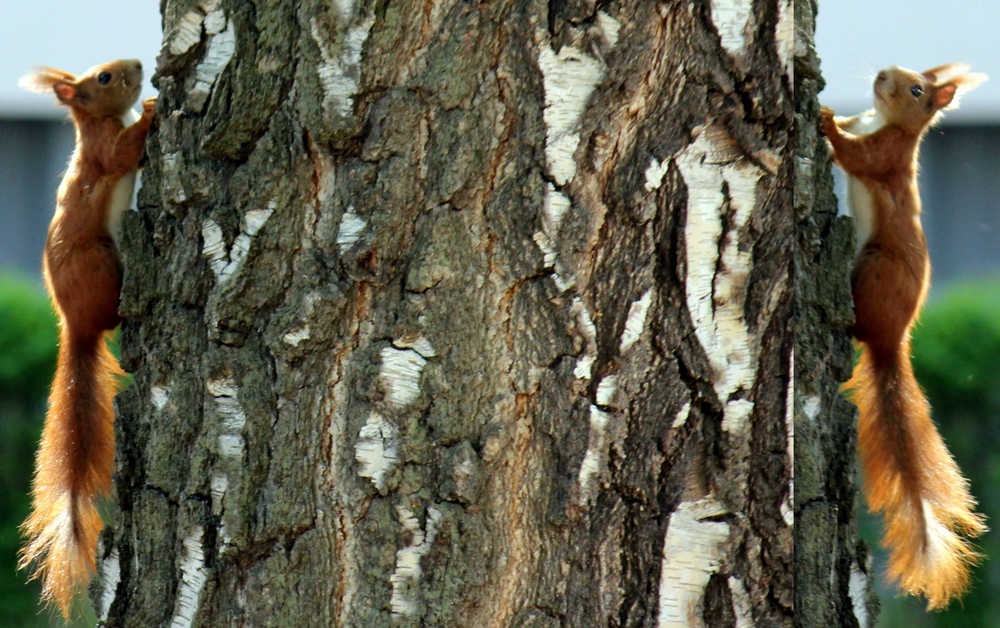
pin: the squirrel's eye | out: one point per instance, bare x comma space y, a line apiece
917, 91
104, 78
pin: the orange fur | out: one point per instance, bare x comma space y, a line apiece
912, 479
83, 275
73, 469
909, 475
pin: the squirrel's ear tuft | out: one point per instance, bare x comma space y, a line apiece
944, 73
947, 95
969, 82
45, 79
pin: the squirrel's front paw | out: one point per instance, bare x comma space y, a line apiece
149, 106
826, 116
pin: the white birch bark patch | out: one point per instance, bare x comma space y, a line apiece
569, 79
187, 33
225, 264
406, 579
655, 173
221, 47
296, 336
811, 407
159, 396
594, 458
682, 416
784, 37
377, 449
606, 389
857, 587
400, 375
742, 606
170, 181
609, 28
351, 228
193, 578
736, 416
345, 9
110, 577
584, 365
587, 329
635, 322
556, 206
730, 17
692, 552
231, 414
716, 274
218, 487
340, 70
230, 445
550, 261
788, 504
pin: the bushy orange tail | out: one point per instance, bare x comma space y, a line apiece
911, 479
72, 470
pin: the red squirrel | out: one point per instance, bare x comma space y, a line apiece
909, 476
83, 275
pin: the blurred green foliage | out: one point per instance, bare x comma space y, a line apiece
956, 356
27, 362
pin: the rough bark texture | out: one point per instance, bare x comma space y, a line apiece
457, 314
833, 570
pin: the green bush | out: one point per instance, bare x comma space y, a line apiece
27, 362
956, 356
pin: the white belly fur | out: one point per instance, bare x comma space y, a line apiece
859, 200
121, 200
124, 192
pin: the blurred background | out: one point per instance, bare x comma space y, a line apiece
36, 140
956, 345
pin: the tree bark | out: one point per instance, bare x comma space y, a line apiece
458, 314
833, 568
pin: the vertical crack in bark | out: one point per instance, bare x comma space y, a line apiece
516, 525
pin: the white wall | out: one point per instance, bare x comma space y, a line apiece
857, 38
71, 35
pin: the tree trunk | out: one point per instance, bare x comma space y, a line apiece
458, 314
833, 568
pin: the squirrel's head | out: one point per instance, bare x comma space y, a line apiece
913, 100
105, 90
